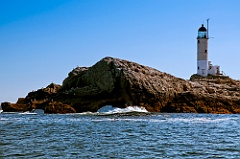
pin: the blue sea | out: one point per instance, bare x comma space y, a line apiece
129, 133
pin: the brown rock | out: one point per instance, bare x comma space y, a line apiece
211, 90
58, 108
120, 83
43, 94
10, 107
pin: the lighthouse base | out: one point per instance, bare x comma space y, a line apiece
202, 67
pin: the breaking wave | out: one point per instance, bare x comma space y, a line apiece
33, 112
109, 110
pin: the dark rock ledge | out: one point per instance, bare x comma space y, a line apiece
121, 83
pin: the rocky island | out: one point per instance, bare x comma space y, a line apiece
122, 83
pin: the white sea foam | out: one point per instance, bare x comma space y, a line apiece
85, 113
108, 109
34, 111
200, 120
172, 120
10, 112
27, 112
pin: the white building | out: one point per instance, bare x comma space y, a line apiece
204, 67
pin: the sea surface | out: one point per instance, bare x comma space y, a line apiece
119, 133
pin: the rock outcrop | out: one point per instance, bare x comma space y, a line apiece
120, 83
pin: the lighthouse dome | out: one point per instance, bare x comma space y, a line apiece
202, 28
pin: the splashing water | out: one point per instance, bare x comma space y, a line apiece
108, 109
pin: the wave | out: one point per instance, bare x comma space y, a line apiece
29, 113
201, 120
106, 110
130, 110
34, 111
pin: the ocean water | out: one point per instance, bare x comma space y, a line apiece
119, 133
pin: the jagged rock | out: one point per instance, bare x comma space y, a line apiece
72, 81
43, 94
120, 83
232, 88
21, 101
10, 107
58, 108
211, 90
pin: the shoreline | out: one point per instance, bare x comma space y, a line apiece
122, 83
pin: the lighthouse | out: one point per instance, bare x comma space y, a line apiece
204, 67
202, 51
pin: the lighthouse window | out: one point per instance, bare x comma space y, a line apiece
206, 51
198, 67
198, 41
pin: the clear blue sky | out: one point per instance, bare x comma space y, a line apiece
41, 41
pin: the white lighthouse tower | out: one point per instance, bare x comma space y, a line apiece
202, 51
204, 67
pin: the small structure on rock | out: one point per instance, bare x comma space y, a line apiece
204, 67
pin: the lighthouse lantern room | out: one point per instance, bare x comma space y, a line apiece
204, 67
